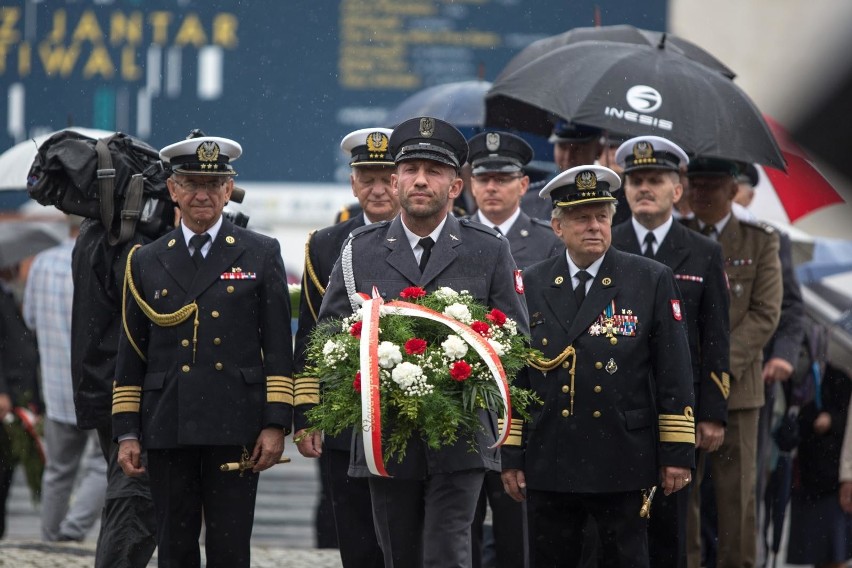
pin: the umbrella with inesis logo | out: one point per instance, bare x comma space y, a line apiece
634, 90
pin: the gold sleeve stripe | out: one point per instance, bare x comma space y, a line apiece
127, 389
677, 418
126, 407
279, 389
126, 399
724, 384
515, 431
677, 437
307, 391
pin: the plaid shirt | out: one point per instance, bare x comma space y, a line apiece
47, 311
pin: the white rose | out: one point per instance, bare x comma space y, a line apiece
389, 354
455, 347
458, 312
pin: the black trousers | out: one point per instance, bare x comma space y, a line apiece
186, 484
557, 520
506, 521
667, 529
353, 513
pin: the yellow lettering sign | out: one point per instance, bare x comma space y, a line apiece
9, 18
25, 56
191, 32
160, 23
88, 29
57, 59
99, 63
57, 33
130, 71
225, 30
125, 29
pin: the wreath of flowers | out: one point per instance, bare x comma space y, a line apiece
432, 383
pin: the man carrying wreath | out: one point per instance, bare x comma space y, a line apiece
617, 422
424, 510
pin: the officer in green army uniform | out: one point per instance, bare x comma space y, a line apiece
752, 265
205, 363
616, 381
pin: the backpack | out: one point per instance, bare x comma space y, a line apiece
118, 179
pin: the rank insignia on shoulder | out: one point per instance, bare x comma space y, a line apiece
676, 313
519, 282
238, 274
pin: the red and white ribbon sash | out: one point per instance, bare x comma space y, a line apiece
371, 414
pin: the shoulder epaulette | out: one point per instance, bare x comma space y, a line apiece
541, 222
761, 225
367, 228
466, 222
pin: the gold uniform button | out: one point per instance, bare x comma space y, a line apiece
565, 388
219, 366
185, 342
598, 388
565, 365
598, 365
613, 340
214, 313
544, 341
185, 368
164, 293
230, 289
217, 341
596, 413
565, 413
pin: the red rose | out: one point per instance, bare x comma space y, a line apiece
496, 317
459, 371
481, 328
412, 292
356, 384
415, 346
355, 330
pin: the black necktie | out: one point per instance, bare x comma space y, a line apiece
496, 228
709, 231
427, 243
649, 245
197, 242
580, 290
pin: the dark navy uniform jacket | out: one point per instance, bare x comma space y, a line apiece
622, 425
466, 256
240, 378
530, 240
700, 273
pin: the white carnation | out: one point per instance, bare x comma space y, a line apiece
497, 346
411, 379
455, 347
444, 293
389, 354
333, 351
458, 312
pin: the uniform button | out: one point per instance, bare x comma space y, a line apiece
596, 413
230, 289
217, 341
565, 365
598, 388
565, 413
185, 342
164, 293
565, 388
598, 365
613, 340
214, 313
185, 368
218, 366
544, 341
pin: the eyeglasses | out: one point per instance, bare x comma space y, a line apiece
206, 187
499, 180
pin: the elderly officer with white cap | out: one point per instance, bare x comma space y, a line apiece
204, 371
372, 165
651, 167
424, 511
617, 417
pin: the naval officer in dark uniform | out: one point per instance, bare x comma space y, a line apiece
652, 186
372, 165
423, 513
498, 182
616, 382
205, 364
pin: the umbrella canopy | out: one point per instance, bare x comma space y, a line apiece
16, 161
621, 34
634, 90
22, 239
462, 104
801, 197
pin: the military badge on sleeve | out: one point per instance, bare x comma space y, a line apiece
676, 313
519, 282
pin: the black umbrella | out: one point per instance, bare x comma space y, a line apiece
461, 104
635, 90
621, 34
